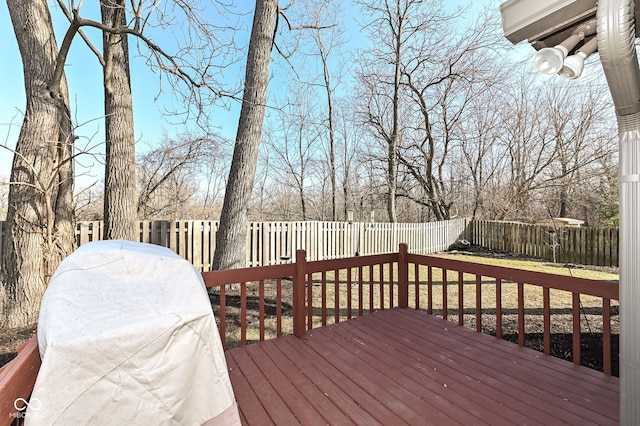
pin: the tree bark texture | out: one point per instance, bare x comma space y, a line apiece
39, 230
120, 200
232, 235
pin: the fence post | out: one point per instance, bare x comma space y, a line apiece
403, 276
299, 291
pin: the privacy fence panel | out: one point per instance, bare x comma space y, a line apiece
584, 245
271, 243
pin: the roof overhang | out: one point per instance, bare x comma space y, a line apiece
546, 23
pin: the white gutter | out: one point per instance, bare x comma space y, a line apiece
616, 46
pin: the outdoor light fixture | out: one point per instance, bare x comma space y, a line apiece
551, 60
573, 65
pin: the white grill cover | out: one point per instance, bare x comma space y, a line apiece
127, 336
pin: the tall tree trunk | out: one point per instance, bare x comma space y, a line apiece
232, 235
120, 172
392, 160
38, 231
332, 137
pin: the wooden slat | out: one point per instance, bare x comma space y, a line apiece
262, 389
332, 410
460, 298
478, 303
521, 333
251, 410
498, 308
606, 336
576, 327
445, 298
546, 307
344, 392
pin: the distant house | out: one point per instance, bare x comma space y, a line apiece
560, 221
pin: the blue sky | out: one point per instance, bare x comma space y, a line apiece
85, 76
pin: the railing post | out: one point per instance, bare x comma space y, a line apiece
403, 276
299, 291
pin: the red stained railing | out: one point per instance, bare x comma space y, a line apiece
606, 291
224, 282
368, 283
17, 379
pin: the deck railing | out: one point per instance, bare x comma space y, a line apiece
254, 304
598, 295
482, 297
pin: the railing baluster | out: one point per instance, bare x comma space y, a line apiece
310, 301
521, 334
336, 295
606, 335
445, 297
576, 327
499, 308
546, 303
460, 298
386, 283
391, 286
381, 283
429, 290
243, 314
349, 293
360, 291
223, 315
416, 285
478, 302
279, 307
261, 308
324, 297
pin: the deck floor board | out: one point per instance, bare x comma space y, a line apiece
402, 366
536, 386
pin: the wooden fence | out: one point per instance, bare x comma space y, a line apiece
276, 242
586, 246
270, 243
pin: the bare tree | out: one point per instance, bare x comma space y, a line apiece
327, 37
231, 236
295, 141
352, 137
120, 180
579, 137
549, 148
438, 76
168, 176
391, 25
39, 230
481, 160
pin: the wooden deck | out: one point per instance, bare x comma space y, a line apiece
403, 366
